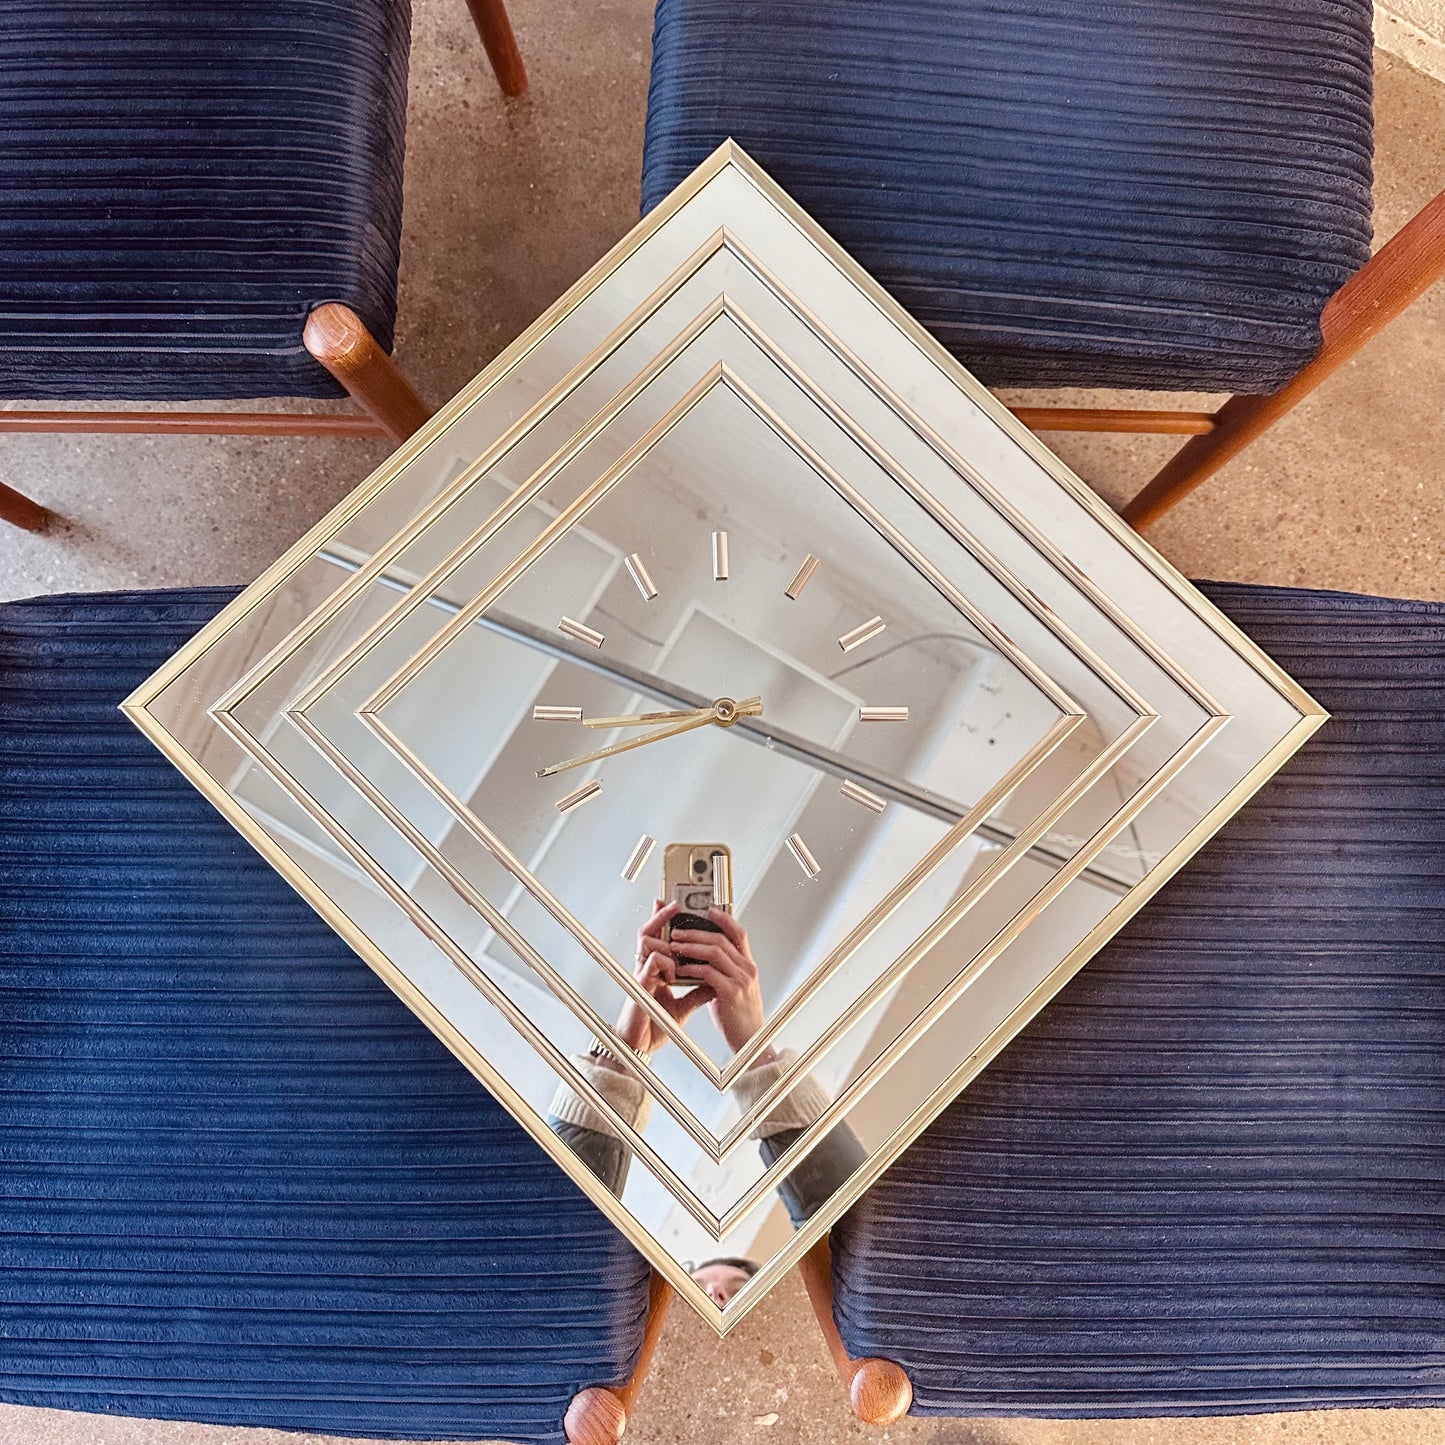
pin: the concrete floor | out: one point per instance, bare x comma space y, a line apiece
506, 205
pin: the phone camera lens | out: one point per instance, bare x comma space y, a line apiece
699, 866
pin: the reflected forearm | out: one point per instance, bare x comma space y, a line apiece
604, 1154
810, 1183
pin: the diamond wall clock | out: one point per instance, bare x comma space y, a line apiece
724, 604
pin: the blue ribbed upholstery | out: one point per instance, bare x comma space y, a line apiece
1210, 1177
1153, 193
239, 1181
184, 180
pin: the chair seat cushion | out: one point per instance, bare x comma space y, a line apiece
239, 1181
1209, 1178
184, 181
1156, 193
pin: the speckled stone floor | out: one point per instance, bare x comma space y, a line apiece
506, 204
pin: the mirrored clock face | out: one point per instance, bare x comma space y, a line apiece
689, 646
719, 636
718, 651
703, 636
711, 655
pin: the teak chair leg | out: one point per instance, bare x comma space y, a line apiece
599, 1415
494, 25
1404, 267
879, 1391
17, 509
337, 337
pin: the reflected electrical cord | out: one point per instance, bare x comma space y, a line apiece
1137, 842
1139, 856
906, 642
862, 662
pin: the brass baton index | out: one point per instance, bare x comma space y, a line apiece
802, 855
722, 881
637, 570
578, 796
864, 632
580, 632
859, 794
801, 578
637, 859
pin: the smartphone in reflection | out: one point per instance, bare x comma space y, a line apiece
697, 876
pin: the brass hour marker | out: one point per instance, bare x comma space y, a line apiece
578, 796
882, 714
802, 577
637, 859
864, 632
638, 573
720, 556
556, 714
722, 880
859, 794
580, 632
804, 858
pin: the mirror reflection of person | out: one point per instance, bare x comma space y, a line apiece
721, 975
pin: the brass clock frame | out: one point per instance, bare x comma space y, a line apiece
143, 708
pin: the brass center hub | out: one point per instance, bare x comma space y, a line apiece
725, 711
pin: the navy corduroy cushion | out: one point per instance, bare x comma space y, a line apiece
1210, 1177
184, 181
239, 1181
1155, 193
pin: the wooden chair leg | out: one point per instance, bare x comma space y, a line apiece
494, 25
17, 509
1404, 267
879, 1391
598, 1415
337, 337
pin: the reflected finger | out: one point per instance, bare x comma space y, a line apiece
683, 1005
729, 925
696, 939
654, 925
657, 969
713, 982
712, 955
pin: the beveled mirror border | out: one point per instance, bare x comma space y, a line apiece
1309, 715
428, 587
720, 306
467, 616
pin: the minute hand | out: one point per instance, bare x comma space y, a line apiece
656, 735
638, 719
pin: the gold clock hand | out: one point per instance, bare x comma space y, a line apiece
656, 735
635, 719
723, 712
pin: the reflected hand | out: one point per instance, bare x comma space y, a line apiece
725, 968
656, 973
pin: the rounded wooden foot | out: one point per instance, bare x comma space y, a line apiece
881, 1392
595, 1417
17, 509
